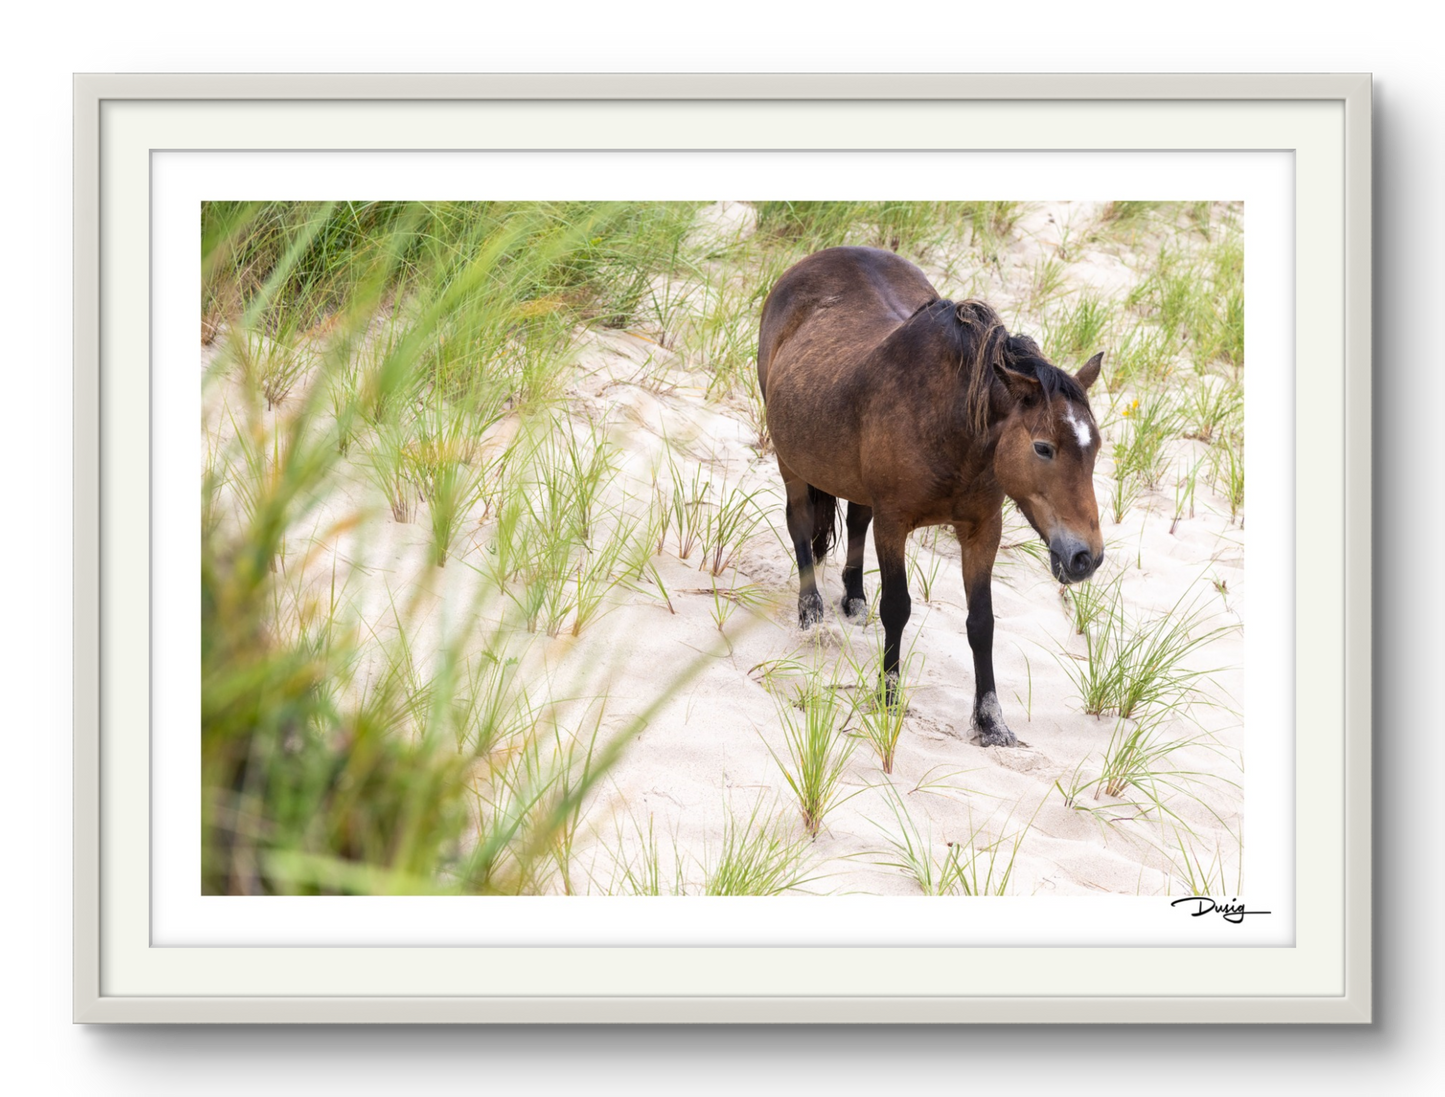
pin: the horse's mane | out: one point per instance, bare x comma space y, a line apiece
984, 345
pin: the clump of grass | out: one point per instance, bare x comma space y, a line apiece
1143, 356
975, 868
532, 797
643, 874
1080, 331
546, 594
668, 301
883, 722
720, 528
531, 803
591, 463
381, 381
1149, 424
992, 225
1201, 872
1144, 779
911, 849
256, 468
1132, 665
452, 492
1046, 283
539, 552
685, 504
270, 363
811, 226
1140, 754
1136, 751
726, 527
759, 856
614, 267
725, 600
817, 750
1201, 217
1210, 411
389, 463
971, 866
444, 462
1224, 339
489, 702
881, 717
601, 570
343, 390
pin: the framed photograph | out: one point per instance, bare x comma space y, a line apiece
722, 548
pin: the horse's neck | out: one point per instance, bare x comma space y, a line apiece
972, 443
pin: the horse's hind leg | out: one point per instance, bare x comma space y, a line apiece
800, 530
980, 546
855, 602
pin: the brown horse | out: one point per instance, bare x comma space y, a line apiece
920, 412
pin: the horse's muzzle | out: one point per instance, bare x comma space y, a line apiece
1071, 561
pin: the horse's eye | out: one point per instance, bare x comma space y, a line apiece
1043, 449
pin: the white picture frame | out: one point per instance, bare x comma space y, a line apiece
120, 120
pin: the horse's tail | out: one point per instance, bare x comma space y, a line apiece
825, 521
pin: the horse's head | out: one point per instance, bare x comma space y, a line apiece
1044, 459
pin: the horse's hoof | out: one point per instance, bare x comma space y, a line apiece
810, 609
890, 690
997, 738
855, 608
988, 724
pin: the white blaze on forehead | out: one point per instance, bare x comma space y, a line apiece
1081, 428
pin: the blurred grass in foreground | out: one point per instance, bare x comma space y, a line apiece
350, 323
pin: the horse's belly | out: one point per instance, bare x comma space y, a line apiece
815, 439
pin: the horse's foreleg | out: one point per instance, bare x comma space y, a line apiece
855, 602
800, 529
980, 546
894, 605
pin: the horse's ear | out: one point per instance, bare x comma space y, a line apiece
1021, 386
1089, 373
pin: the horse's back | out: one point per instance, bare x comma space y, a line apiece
836, 305
821, 324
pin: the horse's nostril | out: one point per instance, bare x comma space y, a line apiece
1081, 562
